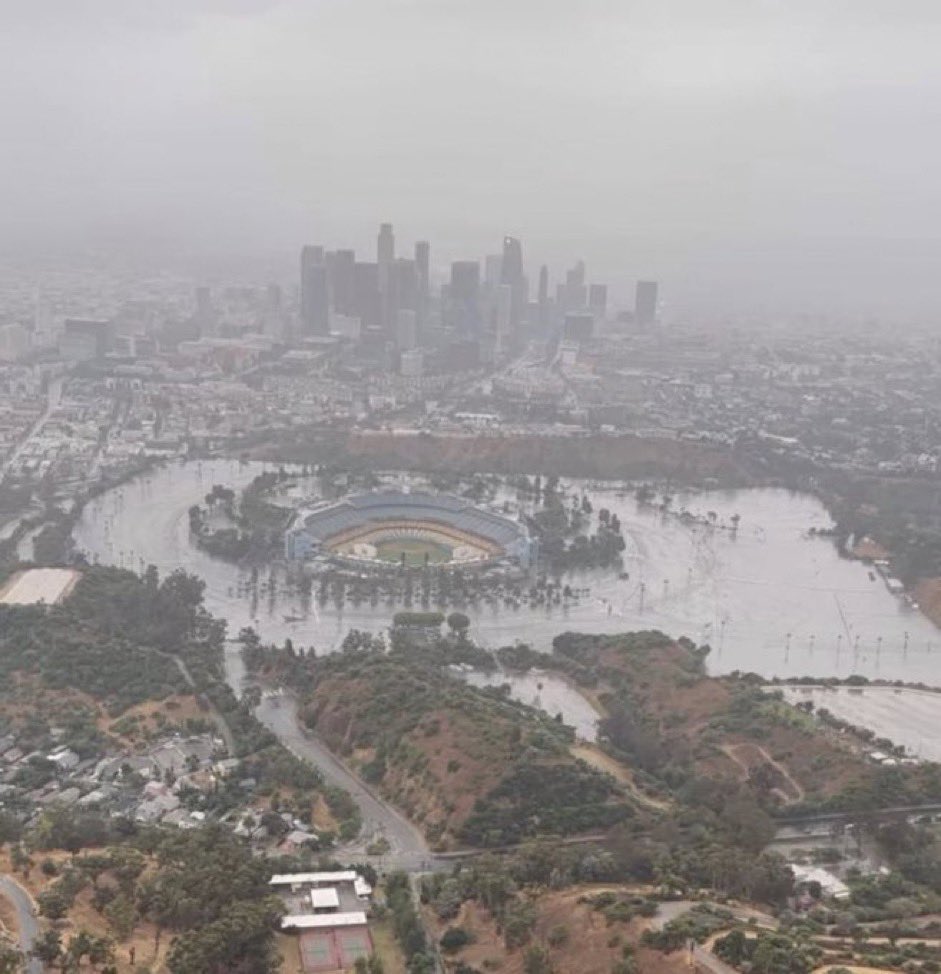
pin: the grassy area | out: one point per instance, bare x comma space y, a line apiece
387, 947
414, 550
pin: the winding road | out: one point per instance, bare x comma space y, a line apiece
408, 849
25, 918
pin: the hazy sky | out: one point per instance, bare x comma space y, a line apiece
749, 153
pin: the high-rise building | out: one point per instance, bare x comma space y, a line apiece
512, 274
493, 270
645, 303
85, 339
543, 297
315, 292
340, 264
422, 265
403, 285
385, 253
464, 298
576, 294
367, 301
598, 299
503, 310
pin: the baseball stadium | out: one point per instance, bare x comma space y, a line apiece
411, 529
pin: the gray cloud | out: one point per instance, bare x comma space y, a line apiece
751, 154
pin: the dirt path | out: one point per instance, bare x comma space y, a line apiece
733, 751
593, 755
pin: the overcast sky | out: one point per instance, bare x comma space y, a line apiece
749, 153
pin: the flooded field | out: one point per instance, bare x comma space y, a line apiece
768, 597
911, 718
548, 692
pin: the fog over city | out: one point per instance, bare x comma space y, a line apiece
470, 487
776, 156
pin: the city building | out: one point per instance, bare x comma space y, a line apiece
85, 339
315, 292
464, 298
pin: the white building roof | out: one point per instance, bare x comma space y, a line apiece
324, 899
314, 879
830, 884
311, 921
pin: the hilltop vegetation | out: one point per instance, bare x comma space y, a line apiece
114, 636
471, 766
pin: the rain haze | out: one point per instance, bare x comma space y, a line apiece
779, 156
478, 455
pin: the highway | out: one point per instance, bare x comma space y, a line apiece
408, 849
25, 918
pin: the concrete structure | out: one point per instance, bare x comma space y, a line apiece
359, 528
39, 585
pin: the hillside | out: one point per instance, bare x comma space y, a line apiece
670, 720
592, 456
469, 765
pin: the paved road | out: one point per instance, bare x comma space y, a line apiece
704, 959
408, 850
25, 917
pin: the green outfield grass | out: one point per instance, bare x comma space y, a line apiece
414, 550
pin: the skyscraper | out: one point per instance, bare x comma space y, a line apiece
422, 265
512, 274
315, 293
385, 253
340, 264
367, 302
598, 299
464, 297
543, 296
645, 303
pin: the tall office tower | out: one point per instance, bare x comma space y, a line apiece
502, 312
340, 265
598, 299
315, 292
403, 285
543, 297
493, 270
423, 266
464, 298
367, 302
645, 303
512, 274
576, 294
385, 253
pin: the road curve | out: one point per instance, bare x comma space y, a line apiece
25, 917
408, 849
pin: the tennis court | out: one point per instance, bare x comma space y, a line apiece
333, 950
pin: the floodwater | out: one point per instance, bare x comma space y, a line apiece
545, 691
909, 717
766, 597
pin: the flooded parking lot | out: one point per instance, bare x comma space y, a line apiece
767, 596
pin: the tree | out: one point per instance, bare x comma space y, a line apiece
53, 904
458, 623
121, 915
11, 960
47, 948
537, 960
